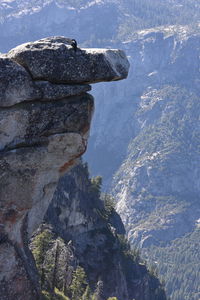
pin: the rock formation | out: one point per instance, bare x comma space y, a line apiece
94, 236
45, 116
156, 167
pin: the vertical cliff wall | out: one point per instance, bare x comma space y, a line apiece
94, 236
45, 115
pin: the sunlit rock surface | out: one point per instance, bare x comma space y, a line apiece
44, 128
53, 59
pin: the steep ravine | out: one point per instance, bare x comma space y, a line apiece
44, 125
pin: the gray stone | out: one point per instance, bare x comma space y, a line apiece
31, 164
54, 60
16, 84
52, 91
32, 123
37, 142
44, 129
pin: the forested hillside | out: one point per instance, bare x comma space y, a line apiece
180, 257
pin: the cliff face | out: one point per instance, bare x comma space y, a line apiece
155, 178
45, 116
93, 236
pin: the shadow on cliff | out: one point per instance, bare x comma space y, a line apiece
83, 233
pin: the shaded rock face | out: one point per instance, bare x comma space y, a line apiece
78, 216
44, 129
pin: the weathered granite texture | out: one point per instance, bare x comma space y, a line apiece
81, 66
13, 76
43, 130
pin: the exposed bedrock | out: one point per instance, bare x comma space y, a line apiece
45, 115
52, 59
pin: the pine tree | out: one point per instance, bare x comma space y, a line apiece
79, 283
87, 294
40, 247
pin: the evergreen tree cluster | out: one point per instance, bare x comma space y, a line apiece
178, 265
66, 276
47, 265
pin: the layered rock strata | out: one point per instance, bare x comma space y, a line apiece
45, 115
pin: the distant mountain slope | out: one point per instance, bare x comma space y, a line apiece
151, 132
97, 22
157, 186
180, 257
166, 56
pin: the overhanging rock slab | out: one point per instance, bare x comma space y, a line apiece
54, 60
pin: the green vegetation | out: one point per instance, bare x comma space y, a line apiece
40, 245
95, 188
108, 207
169, 148
46, 295
109, 203
87, 294
78, 290
178, 265
60, 295
133, 253
79, 284
57, 295
61, 276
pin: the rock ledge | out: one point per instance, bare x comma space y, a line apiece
45, 115
54, 60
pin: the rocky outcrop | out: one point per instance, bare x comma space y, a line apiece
93, 233
70, 66
44, 128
